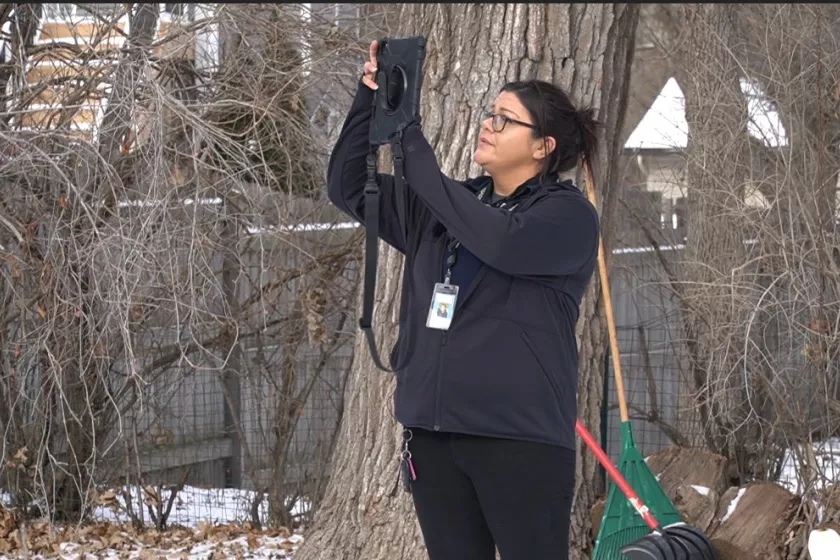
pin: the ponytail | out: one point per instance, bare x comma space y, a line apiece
588, 130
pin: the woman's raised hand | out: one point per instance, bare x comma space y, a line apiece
369, 77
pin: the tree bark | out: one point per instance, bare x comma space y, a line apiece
473, 50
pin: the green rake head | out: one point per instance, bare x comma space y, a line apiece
621, 525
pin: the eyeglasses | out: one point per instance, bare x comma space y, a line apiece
500, 121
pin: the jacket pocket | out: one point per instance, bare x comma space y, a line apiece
551, 381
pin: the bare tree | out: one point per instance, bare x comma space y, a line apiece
156, 252
757, 282
363, 515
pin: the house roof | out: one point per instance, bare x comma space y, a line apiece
664, 126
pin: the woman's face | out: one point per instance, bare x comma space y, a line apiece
513, 147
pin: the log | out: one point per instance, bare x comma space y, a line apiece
727, 551
829, 500
756, 518
697, 506
679, 466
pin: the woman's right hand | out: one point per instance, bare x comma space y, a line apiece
369, 76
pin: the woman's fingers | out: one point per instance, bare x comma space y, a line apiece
369, 78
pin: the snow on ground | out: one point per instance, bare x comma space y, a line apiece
213, 523
191, 506
204, 523
827, 455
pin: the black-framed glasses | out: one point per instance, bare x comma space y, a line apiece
500, 121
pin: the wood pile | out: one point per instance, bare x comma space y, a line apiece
758, 521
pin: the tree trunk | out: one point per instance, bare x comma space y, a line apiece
117, 118
710, 281
716, 113
583, 48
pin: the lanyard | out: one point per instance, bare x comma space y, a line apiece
453, 244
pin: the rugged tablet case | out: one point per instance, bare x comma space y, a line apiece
400, 60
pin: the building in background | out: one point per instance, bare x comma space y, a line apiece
75, 47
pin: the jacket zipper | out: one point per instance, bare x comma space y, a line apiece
437, 400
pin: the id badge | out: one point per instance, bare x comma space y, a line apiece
442, 309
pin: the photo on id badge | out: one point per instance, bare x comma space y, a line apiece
442, 309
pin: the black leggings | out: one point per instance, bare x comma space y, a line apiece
473, 494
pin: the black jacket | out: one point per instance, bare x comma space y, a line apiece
508, 365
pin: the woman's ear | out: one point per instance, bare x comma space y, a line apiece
545, 146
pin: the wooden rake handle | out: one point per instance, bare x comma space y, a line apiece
608, 308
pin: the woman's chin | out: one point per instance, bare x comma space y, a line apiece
481, 158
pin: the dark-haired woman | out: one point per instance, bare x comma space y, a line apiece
486, 389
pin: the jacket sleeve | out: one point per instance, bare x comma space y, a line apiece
554, 237
347, 173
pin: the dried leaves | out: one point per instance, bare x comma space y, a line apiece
111, 540
315, 304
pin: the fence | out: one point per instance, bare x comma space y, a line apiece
774, 401
228, 390
231, 429
260, 420
652, 356
227, 430
655, 382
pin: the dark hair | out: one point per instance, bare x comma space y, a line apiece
554, 114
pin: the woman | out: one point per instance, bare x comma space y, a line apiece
487, 389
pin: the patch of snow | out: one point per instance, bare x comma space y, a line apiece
823, 544
733, 504
327, 226
212, 519
827, 455
764, 121
701, 489
194, 505
156, 202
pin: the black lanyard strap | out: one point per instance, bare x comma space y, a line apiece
372, 196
